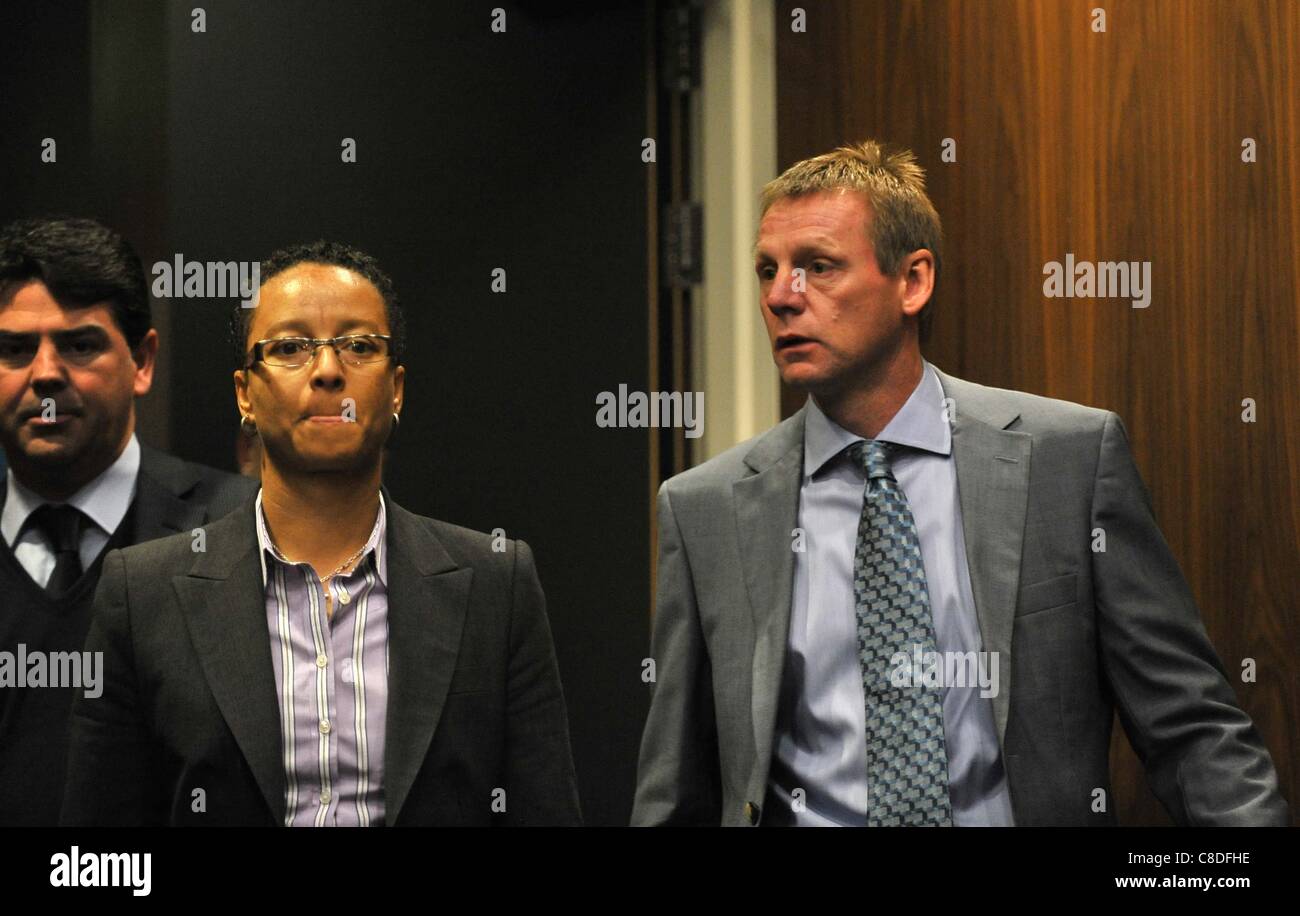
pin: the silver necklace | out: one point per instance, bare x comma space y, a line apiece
346, 563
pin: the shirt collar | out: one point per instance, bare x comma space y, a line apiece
105, 500
920, 423
376, 543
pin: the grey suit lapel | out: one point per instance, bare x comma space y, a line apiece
224, 607
767, 509
428, 596
993, 489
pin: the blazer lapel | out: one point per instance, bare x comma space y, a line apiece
993, 490
767, 508
224, 605
428, 597
159, 511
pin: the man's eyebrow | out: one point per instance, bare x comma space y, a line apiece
821, 243
64, 334
93, 330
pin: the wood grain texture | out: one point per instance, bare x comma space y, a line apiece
1123, 145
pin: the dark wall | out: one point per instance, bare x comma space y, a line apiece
90, 77
39, 99
475, 151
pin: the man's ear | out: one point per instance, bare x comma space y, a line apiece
918, 281
145, 356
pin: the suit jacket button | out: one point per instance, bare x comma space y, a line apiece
752, 813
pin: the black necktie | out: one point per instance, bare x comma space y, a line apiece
61, 527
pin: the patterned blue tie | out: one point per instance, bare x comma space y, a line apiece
907, 763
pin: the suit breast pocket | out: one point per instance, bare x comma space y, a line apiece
1046, 595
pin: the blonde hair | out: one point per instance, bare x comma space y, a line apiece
903, 218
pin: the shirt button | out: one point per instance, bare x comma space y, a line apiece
325, 797
344, 597
324, 726
321, 661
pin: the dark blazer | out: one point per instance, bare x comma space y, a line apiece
1080, 634
189, 702
174, 495
171, 496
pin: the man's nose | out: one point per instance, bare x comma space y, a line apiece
48, 368
326, 368
785, 293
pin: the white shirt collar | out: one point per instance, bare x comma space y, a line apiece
376, 544
920, 423
105, 500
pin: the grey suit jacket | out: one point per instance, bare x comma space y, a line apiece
189, 699
1079, 633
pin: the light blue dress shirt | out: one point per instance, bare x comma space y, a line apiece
820, 737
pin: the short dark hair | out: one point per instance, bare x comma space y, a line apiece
82, 263
336, 254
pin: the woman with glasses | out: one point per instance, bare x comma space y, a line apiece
322, 656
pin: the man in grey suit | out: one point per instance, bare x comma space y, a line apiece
919, 600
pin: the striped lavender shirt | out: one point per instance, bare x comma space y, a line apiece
331, 681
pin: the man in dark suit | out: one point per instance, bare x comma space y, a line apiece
919, 601
76, 348
323, 657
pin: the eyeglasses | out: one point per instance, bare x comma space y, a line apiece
296, 352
